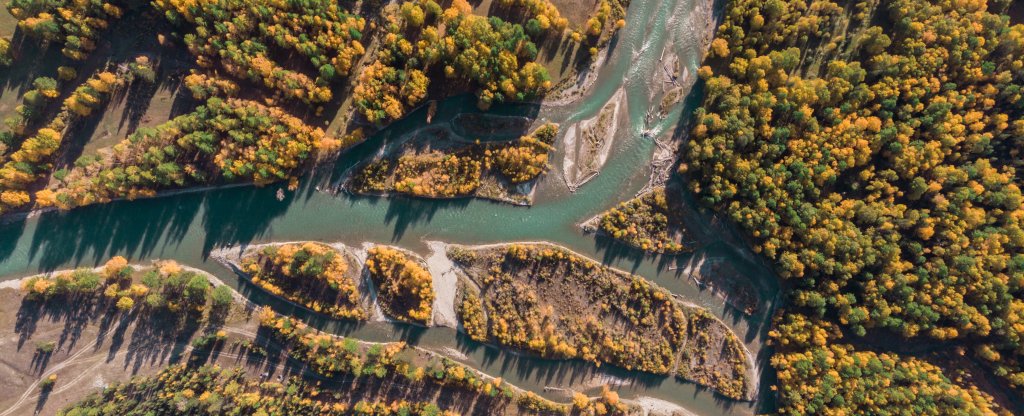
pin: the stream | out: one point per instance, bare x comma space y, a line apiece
187, 226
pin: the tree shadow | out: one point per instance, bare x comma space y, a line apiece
31, 61
76, 313
44, 395
40, 360
10, 234
1016, 12
229, 217
405, 212
547, 372
95, 233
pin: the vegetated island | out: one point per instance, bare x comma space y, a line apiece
547, 300
191, 344
405, 289
588, 143
650, 222
316, 276
443, 166
377, 283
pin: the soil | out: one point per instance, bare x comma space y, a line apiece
574, 85
446, 279
94, 347
725, 282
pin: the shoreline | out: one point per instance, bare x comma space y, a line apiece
445, 282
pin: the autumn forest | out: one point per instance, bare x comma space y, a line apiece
512, 207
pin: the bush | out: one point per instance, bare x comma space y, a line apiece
47, 383
46, 347
221, 297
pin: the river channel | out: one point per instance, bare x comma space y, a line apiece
187, 226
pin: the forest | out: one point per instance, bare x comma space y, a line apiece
870, 150
233, 139
494, 56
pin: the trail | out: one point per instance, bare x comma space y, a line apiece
60, 366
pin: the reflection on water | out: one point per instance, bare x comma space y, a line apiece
187, 226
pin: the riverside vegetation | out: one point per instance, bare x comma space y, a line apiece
212, 390
871, 150
425, 373
166, 287
646, 222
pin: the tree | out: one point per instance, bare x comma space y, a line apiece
125, 303
221, 297
5, 52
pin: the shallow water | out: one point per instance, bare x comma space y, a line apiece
185, 227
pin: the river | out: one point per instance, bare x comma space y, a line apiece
187, 226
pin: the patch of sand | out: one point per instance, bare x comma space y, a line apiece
446, 282
454, 353
589, 142
652, 406
584, 80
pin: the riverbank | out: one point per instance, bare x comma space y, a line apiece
88, 343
